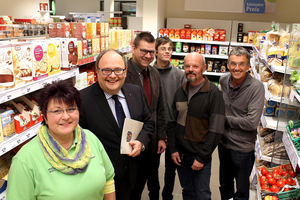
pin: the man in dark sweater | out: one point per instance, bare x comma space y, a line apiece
199, 118
244, 100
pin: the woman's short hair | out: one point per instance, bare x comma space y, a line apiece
61, 91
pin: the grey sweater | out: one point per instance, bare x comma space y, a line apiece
172, 78
242, 113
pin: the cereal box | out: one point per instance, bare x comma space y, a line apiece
188, 33
69, 55
40, 60
161, 32
22, 61
53, 56
63, 29
6, 67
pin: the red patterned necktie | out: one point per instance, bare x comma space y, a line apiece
147, 88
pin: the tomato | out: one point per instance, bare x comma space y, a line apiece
274, 198
281, 167
289, 181
274, 188
265, 182
265, 187
283, 172
287, 189
292, 173
288, 167
272, 181
276, 176
263, 178
269, 176
280, 184
264, 171
294, 182
276, 171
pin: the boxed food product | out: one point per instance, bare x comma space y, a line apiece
79, 49
251, 35
223, 50
214, 50
199, 34
166, 32
7, 123
270, 103
279, 112
6, 67
102, 43
31, 108
172, 34
40, 60
90, 78
207, 49
194, 34
222, 35
69, 56
217, 35
53, 56
3, 170
63, 29
161, 32
94, 46
182, 34
211, 33
52, 29
177, 33
22, 61
268, 111
78, 30
275, 56
205, 34
91, 30
188, 33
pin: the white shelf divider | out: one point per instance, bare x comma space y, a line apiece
241, 44
204, 55
226, 43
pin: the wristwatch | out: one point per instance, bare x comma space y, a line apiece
143, 147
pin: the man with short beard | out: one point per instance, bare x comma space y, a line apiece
199, 113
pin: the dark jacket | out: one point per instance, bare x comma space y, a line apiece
157, 100
97, 116
199, 124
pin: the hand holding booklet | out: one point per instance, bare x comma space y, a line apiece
131, 130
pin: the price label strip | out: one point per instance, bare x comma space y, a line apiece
4, 148
290, 149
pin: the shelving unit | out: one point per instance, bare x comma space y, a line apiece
225, 43
291, 149
241, 44
25, 37
205, 55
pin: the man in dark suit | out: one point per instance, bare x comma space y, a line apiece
141, 73
100, 114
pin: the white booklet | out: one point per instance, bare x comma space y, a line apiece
131, 130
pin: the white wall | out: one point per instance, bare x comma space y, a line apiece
23, 9
64, 7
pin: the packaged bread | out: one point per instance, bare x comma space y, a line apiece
265, 74
275, 88
275, 56
268, 111
264, 131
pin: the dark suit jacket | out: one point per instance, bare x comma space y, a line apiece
96, 116
157, 109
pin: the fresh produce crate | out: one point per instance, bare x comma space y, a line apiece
295, 140
288, 195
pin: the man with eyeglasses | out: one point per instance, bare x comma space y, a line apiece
244, 100
172, 78
196, 128
141, 73
105, 105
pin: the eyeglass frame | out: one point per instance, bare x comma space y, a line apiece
164, 49
61, 111
112, 71
150, 52
238, 64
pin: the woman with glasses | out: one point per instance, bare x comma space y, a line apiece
63, 161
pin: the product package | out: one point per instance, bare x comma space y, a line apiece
6, 67
53, 56
40, 60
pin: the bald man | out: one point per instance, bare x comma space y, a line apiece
199, 113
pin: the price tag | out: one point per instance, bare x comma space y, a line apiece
263, 121
26, 136
2, 98
267, 94
290, 149
42, 84
15, 142
56, 79
25, 90
257, 149
292, 95
72, 73
8, 97
4, 148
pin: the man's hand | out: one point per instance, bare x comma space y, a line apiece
197, 165
161, 146
136, 148
176, 158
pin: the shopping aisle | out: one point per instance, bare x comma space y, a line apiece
214, 181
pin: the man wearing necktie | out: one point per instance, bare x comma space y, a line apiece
141, 73
105, 105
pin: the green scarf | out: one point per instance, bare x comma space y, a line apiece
59, 158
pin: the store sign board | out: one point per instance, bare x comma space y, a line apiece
260, 6
232, 6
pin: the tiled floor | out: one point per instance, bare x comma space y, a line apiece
214, 182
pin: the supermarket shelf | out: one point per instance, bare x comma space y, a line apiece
270, 97
26, 37
45, 11
271, 123
291, 149
294, 40
241, 44
256, 75
260, 156
201, 41
204, 55
214, 73
13, 93
264, 60
18, 139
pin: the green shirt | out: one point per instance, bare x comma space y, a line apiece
32, 177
